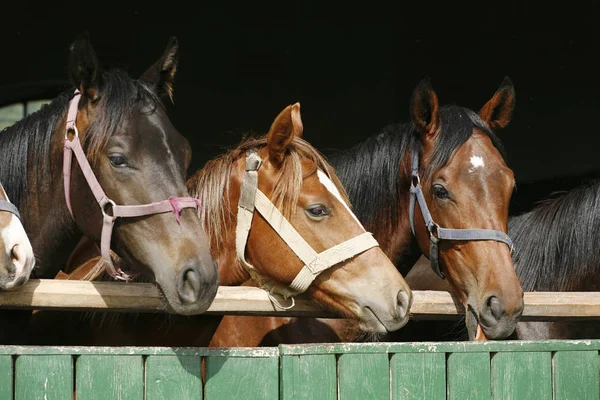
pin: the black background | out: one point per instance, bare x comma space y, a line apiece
352, 66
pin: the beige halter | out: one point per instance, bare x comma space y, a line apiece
314, 263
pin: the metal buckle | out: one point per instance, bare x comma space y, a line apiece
108, 202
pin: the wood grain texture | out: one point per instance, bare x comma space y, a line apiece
145, 297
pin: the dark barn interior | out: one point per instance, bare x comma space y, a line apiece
352, 69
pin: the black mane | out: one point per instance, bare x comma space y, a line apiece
25, 146
558, 240
371, 171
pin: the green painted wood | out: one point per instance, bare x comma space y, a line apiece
6, 377
173, 377
364, 376
417, 376
109, 377
468, 376
308, 377
146, 351
244, 378
44, 377
489, 346
575, 375
517, 376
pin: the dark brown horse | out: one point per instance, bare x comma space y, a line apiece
137, 156
16, 261
363, 285
466, 184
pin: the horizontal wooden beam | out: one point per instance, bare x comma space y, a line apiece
144, 297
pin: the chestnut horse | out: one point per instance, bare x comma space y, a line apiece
18, 259
128, 160
305, 197
466, 184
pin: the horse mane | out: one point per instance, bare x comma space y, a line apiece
374, 169
211, 183
558, 240
25, 146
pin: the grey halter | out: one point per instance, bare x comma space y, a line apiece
416, 195
9, 207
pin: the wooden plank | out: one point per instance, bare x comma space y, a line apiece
44, 377
417, 376
575, 375
441, 347
468, 376
241, 378
308, 377
517, 376
6, 377
145, 297
364, 376
173, 377
109, 377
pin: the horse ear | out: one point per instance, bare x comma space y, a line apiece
284, 129
161, 74
85, 71
425, 108
497, 112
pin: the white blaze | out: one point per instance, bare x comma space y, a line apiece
324, 179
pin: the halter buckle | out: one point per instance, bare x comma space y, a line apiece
74, 129
104, 207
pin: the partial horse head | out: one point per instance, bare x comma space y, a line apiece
297, 230
467, 187
18, 260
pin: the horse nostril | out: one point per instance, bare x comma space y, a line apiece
188, 286
403, 305
495, 307
17, 259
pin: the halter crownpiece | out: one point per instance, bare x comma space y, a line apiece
110, 210
252, 198
9, 207
416, 196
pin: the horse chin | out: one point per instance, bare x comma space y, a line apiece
474, 328
371, 323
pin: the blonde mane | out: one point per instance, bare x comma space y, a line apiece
211, 183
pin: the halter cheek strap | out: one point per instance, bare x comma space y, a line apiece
9, 207
436, 233
110, 210
251, 199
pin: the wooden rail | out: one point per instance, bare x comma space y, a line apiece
144, 297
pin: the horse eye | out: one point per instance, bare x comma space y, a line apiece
440, 192
118, 160
318, 211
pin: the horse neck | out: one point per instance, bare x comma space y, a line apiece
46, 219
395, 235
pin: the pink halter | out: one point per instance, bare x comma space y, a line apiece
173, 204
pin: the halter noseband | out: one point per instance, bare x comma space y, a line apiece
110, 210
416, 195
252, 198
9, 207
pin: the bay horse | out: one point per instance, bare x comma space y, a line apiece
18, 260
294, 190
466, 183
556, 250
129, 159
